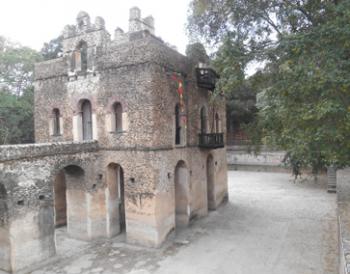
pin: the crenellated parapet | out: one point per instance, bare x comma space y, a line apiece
85, 41
136, 23
82, 43
83, 25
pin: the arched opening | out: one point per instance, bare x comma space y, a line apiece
181, 195
86, 115
69, 200
80, 59
177, 125
3, 193
204, 120
115, 200
217, 123
5, 250
83, 56
118, 117
60, 199
211, 182
56, 122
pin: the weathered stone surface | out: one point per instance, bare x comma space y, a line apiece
122, 177
343, 194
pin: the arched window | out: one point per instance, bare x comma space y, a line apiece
217, 123
118, 117
86, 114
83, 56
79, 60
177, 125
203, 120
56, 121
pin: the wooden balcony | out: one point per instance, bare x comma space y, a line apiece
211, 140
206, 78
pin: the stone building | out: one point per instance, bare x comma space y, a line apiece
128, 141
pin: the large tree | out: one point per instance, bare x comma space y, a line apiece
16, 92
52, 49
304, 46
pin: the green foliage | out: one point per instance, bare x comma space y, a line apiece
16, 118
16, 66
52, 49
16, 92
304, 89
307, 105
197, 53
230, 62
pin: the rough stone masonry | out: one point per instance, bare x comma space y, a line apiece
127, 142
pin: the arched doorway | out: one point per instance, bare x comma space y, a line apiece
115, 200
70, 200
86, 115
182, 210
60, 199
211, 182
5, 249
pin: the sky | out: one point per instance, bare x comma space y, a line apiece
33, 22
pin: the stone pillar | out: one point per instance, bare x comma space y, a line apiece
77, 226
86, 205
141, 227
332, 179
31, 232
5, 248
96, 214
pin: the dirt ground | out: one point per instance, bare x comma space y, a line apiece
270, 225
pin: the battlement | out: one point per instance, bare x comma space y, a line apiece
136, 23
84, 28
83, 25
85, 41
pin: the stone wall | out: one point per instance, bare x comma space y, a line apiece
26, 176
238, 158
343, 211
28, 173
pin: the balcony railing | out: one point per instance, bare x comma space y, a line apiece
211, 140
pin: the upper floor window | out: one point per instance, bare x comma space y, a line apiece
80, 58
204, 120
177, 125
118, 117
86, 115
217, 123
56, 121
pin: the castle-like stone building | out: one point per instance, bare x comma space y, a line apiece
128, 141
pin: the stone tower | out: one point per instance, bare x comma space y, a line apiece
128, 141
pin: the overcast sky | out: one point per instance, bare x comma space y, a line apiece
33, 22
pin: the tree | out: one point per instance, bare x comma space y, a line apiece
230, 62
304, 102
307, 106
16, 66
52, 49
16, 92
